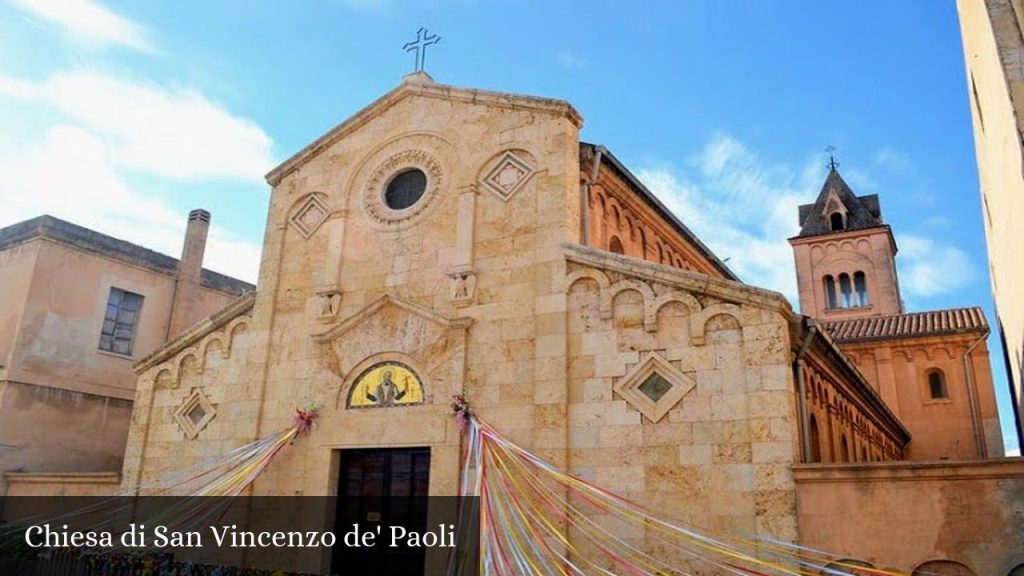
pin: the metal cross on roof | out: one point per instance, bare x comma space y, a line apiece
423, 39
832, 164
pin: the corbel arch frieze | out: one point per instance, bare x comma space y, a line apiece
698, 322
168, 374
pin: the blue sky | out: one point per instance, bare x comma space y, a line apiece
123, 116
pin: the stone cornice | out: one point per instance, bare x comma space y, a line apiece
845, 235
411, 307
202, 328
911, 471
416, 86
728, 290
64, 477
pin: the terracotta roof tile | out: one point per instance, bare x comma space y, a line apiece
934, 323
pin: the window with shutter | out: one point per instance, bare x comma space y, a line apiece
119, 322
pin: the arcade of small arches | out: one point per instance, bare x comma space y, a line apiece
618, 228
838, 430
846, 291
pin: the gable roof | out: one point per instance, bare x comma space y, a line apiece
861, 211
932, 323
46, 226
421, 84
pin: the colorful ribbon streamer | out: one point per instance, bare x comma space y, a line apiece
536, 519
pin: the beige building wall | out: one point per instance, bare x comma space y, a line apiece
994, 58
65, 405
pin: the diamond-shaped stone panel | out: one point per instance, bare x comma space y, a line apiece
195, 413
654, 386
310, 215
508, 175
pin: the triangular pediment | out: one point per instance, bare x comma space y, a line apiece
833, 204
379, 305
422, 85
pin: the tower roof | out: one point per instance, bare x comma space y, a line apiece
860, 211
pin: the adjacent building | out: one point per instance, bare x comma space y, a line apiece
994, 56
77, 309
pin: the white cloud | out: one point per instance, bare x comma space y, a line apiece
928, 267
90, 22
889, 157
176, 133
742, 207
70, 175
745, 208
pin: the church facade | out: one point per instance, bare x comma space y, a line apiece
447, 240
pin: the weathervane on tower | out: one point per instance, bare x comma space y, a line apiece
832, 164
423, 39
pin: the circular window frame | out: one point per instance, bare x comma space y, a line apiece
374, 200
393, 177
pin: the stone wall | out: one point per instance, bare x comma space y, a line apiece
714, 451
86, 484
902, 515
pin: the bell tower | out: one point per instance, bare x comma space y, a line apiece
845, 255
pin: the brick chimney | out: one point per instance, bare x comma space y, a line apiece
186, 289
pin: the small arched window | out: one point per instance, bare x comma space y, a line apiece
844, 449
661, 254
815, 440
860, 286
830, 292
937, 385
845, 291
615, 245
863, 454
837, 222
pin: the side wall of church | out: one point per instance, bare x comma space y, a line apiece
841, 426
941, 427
620, 221
719, 456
